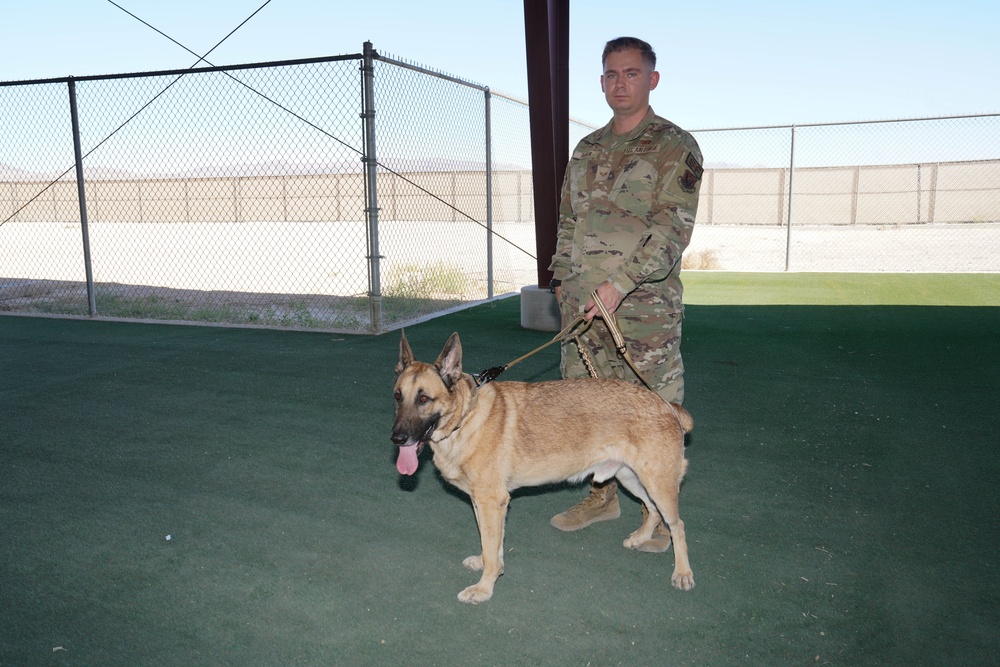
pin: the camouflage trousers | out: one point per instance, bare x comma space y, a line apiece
653, 337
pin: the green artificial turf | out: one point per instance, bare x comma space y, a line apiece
717, 288
840, 504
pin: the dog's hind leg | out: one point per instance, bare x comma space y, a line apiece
650, 519
682, 578
491, 514
659, 493
665, 499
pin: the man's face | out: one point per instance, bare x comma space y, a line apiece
627, 81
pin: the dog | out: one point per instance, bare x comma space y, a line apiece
489, 440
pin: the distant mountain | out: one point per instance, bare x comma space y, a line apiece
270, 168
733, 165
8, 173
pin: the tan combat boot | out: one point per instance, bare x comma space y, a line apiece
660, 541
600, 505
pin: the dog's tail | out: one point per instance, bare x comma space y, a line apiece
684, 418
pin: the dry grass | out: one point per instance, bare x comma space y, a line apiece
704, 260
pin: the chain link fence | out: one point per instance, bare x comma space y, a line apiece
256, 195
361, 192
918, 195
220, 195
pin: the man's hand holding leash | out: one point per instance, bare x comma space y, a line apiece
609, 295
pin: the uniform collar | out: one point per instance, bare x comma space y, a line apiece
609, 138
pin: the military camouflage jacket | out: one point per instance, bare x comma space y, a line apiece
628, 208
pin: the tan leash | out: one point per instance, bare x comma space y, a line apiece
612, 323
493, 373
568, 332
622, 349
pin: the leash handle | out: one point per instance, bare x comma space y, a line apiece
612, 323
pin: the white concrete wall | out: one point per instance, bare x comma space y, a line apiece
873, 195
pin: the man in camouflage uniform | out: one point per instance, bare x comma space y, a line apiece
627, 211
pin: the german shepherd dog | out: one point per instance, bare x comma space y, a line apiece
492, 439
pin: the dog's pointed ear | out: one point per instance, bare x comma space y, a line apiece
449, 362
405, 354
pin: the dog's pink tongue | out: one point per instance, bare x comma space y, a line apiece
406, 464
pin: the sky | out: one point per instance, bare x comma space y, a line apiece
727, 63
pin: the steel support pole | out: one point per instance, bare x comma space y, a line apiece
489, 199
546, 32
81, 193
371, 185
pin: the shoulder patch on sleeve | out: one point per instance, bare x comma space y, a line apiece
692, 162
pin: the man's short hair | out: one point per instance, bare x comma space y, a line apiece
626, 43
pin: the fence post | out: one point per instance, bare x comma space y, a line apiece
854, 195
489, 199
81, 192
791, 195
932, 196
711, 195
919, 193
371, 173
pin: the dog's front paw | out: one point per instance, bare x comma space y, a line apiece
476, 594
473, 563
683, 580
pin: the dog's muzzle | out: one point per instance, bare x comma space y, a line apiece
410, 448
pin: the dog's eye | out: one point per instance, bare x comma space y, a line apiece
423, 398
399, 396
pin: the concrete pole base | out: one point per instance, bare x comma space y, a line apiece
539, 310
